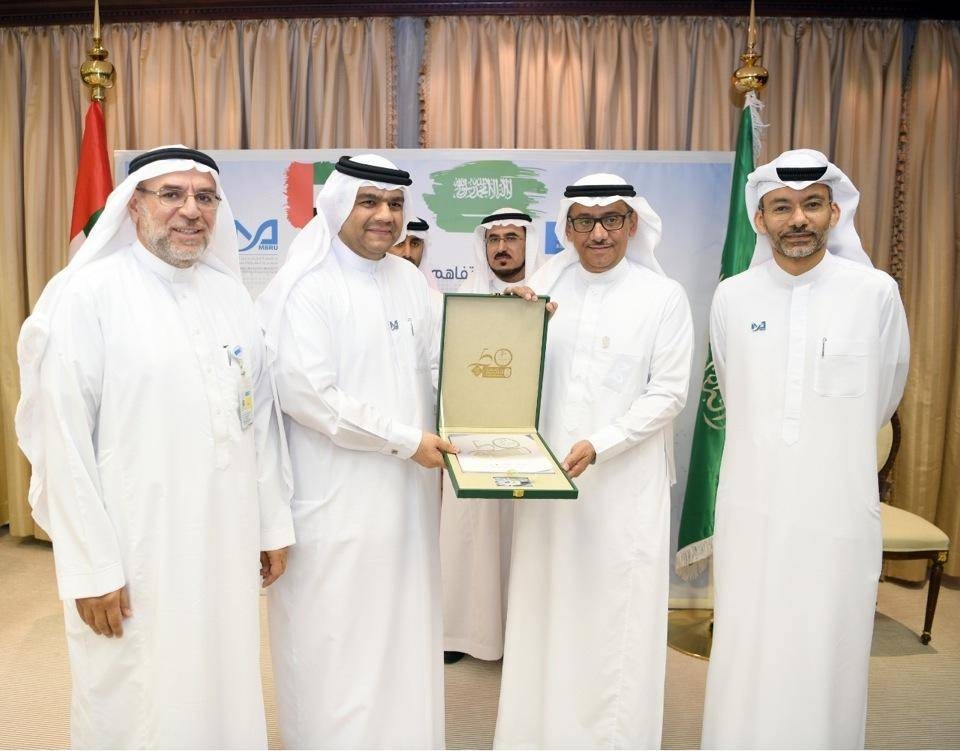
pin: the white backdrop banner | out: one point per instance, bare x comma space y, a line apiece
272, 194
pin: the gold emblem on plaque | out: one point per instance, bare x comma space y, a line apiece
496, 365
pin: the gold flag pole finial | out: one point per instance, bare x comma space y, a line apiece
96, 71
750, 76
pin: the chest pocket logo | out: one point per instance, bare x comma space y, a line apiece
621, 373
841, 368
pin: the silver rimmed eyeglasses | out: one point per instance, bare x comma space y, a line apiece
174, 198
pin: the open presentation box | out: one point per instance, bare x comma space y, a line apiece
491, 373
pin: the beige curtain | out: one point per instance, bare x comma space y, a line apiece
303, 83
609, 82
927, 472
13, 294
835, 85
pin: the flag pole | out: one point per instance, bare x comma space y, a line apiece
690, 630
750, 78
96, 71
94, 181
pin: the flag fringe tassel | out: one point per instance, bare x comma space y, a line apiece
752, 101
693, 560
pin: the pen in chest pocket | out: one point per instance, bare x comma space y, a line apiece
235, 355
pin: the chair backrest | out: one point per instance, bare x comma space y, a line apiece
888, 444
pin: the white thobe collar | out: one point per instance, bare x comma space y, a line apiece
161, 268
610, 276
812, 276
348, 259
498, 285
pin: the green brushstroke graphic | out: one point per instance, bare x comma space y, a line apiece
464, 195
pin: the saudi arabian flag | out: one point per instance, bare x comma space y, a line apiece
93, 177
695, 539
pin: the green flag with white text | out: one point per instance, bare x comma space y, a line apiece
695, 538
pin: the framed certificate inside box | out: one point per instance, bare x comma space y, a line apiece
491, 373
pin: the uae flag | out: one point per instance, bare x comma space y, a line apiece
93, 177
300, 181
695, 538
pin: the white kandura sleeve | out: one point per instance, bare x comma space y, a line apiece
665, 392
436, 310
306, 374
894, 354
274, 479
85, 546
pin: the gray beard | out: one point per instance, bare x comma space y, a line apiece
799, 252
164, 252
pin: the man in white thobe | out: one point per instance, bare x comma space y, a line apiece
475, 534
811, 349
355, 632
414, 247
148, 416
585, 650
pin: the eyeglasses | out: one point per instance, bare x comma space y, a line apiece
510, 239
174, 198
610, 222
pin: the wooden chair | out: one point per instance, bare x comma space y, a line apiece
907, 535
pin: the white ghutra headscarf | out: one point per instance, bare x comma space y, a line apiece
418, 227
483, 279
603, 189
799, 169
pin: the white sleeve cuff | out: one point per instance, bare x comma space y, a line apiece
94, 584
402, 440
277, 537
607, 442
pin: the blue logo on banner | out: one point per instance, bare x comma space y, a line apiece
762, 326
551, 244
266, 237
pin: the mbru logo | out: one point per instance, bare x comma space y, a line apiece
266, 237
551, 244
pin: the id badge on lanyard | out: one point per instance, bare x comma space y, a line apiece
245, 389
